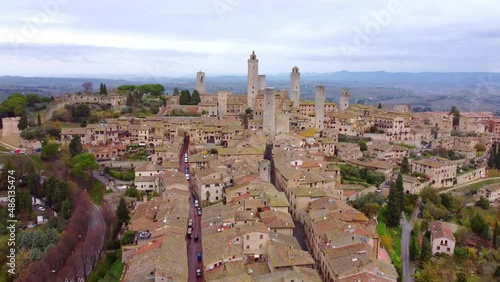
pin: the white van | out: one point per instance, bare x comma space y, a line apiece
185, 158
187, 176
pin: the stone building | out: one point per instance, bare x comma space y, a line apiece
344, 100
269, 118
253, 80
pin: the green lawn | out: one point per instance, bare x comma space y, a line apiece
3, 149
391, 240
117, 269
96, 192
479, 185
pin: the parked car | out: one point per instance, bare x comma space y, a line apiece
199, 211
41, 208
185, 158
187, 176
101, 173
196, 237
198, 256
198, 272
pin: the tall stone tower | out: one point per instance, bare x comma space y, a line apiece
265, 170
222, 103
262, 82
320, 107
253, 81
269, 118
200, 82
344, 99
295, 87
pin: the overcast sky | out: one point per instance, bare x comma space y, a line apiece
158, 38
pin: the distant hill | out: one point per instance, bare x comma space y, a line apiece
440, 89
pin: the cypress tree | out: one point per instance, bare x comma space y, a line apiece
493, 156
39, 119
23, 122
425, 251
394, 203
495, 235
405, 166
122, 212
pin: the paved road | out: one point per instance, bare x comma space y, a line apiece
405, 250
467, 184
193, 247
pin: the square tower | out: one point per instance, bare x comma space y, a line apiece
200, 82
222, 103
253, 81
262, 82
295, 87
320, 107
269, 117
344, 99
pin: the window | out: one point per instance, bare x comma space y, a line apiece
438, 248
260, 246
248, 247
261, 236
448, 249
248, 237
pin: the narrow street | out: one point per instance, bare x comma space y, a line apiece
193, 246
405, 250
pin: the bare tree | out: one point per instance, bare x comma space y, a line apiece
87, 87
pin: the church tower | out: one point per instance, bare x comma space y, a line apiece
200, 82
253, 81
295, 87
344, 99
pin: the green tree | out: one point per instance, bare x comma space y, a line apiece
493, 156
362, 145
414, 248
483, 203
39, 120
49, 152
456, 115
195, 98
425, 251
75, 146
479, 226
23, 122
66, 208
33, 181
82, 165
379, 105
122, 213
461, 277
496, 233
128, 238
176, 92
4, 176
248, 111
405, 166
393, 212
185, 97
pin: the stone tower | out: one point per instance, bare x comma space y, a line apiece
295, 87
253, 81
282, 123
222, 103
265, 170
269, 117
344, 100
10, 126
320, 107
262, 82
200, 82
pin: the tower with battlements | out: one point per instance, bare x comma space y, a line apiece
344, 99
295, 87
320, 107
222, 103
253, 82
262, 82
269, 116
265, 170
200, 82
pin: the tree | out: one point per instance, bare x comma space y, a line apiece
496, 233
414, 249
23, 122
39, 120
49, 152
362, 145
405, 166
75, 146
195, 98
122, 212
128, 238
83, 164
176, 92
393, 211
456, 115
483, 203
102, 89
4, 176
479, 226
493, 156
33, 181
425, 251
379, 105
461, 277
87, 87
185, 97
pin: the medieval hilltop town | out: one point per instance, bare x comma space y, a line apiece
259, 186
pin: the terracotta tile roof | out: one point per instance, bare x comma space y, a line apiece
441, 230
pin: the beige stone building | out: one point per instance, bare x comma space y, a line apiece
441, 172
